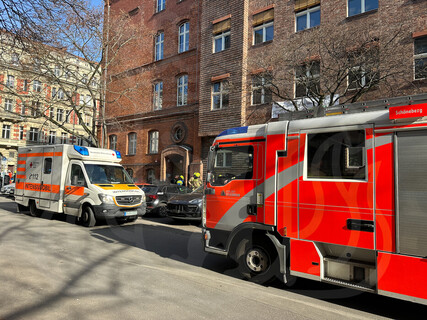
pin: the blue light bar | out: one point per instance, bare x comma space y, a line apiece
118, 154
82, 150
234, 131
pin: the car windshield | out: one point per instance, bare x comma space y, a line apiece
100, 173
150, 189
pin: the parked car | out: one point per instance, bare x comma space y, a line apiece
157, 197
186, 206
8, 190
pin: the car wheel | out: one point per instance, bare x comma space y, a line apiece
34, 212
87, 219
162, 210
258, 261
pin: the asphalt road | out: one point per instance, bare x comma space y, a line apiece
151, 269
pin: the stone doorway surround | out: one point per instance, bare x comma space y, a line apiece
184, 152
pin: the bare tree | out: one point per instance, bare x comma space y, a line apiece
321, 67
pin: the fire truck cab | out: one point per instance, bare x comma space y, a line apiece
340, 199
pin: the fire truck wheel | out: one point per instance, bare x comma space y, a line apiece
259, 262
87, 218
34, 212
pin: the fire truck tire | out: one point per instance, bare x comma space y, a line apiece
34, 212
87, 219
258, 261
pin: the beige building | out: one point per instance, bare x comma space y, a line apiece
47, 96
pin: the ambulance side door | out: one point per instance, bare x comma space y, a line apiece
74, 190
46, 189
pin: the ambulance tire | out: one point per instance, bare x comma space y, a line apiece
87, 219
34, 212
258, 261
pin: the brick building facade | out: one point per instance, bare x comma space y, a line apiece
152, 97
244, 44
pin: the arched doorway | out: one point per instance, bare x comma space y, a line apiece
175, 161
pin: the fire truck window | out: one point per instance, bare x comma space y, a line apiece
336, 155
47, 167
77, 176
233, 163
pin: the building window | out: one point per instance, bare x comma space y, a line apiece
51, 112
263, 24
307, 18
158, 95
10, 82
34, 134
160, 5
113, 142
184, 37
57, 71
132, 143
59, 115
220, 95
159, 39
261, 92
63, 137
37, 86
25, 86
153, 142
52, 136
182, 91
15, 59
361, 6
364, 73
307, 79
130, 172
221, 35
23, 109
21, 132
8, 105
5, 134
84, 78
35, 108
336, 155
420, 57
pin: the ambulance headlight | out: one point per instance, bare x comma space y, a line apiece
106, 198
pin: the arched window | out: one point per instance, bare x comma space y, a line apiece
182, 90
153, 142
132, 143
113, 142
184, 37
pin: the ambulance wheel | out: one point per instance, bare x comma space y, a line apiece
87, 219
258, 261
34, 212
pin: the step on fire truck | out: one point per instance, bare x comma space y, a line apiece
340, 199
85, 182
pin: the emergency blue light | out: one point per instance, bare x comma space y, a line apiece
118, 154
234, 131
82, 150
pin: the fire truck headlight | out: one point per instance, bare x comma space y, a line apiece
106, 198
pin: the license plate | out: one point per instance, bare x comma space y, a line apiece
130, 213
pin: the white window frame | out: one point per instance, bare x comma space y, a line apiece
263, 27
182, 90
132, 138
33, 134
5, 134
419, 56
362, 8
158, 95
113, 142
59, 115
263, 88
8, 104
221, 93
363, 73
160, 5
10, 82
308, 74
307, 12
52, 137
222, 36
158, 47
153, 142
184, 37
37, 86
57, 71
63, 138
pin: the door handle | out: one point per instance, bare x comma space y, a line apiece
360, 225
251, 209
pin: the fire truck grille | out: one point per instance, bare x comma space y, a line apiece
128, 200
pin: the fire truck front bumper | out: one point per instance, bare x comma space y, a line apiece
110, 211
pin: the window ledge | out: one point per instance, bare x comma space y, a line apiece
308, 29
420, 81
360, 15
258, 45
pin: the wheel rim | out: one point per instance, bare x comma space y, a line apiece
257, 260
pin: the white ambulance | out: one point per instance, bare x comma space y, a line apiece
85, 182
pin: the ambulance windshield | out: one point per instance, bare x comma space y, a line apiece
101, 174
230, 163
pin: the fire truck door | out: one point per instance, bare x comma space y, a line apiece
411, 154
47, 191
232, 185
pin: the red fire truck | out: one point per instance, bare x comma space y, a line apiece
340, 199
